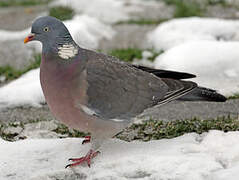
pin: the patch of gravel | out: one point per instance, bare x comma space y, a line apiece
19, 18
219, 11
25, 114
127, 36
154, 10
16, 54
178, 110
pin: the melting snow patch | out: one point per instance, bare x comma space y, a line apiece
88, 31
177, 31
215, 63
24, 91
109, 11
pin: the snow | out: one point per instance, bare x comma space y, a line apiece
88, 31
213, 156
174, 32
108, 11
215, 63
23, 91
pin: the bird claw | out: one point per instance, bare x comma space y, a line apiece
86, 140
87, 158
76, 159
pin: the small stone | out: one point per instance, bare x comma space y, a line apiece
39, 134
42, 129
2, 78
42, 125
149, 130
13, 130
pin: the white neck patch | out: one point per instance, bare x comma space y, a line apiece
67, 51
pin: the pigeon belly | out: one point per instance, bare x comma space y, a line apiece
57, 88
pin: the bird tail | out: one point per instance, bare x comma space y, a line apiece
203, 94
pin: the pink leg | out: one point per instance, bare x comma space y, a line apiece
86, 140
87, 158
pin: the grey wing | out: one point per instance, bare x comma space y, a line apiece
117, 90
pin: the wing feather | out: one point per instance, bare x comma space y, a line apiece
118, 90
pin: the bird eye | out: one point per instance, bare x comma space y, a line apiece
46, 29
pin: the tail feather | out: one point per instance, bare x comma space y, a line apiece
203, 94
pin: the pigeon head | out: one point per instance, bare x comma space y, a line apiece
53, 35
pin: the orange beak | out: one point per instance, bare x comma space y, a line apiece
30, 37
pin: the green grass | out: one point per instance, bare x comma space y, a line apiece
127, 55
154, 130
235, 96
9, 136
61, 12
185, 8
8, 3
130, 54
64, 130
142, 21
11, 73
215, 2
155, 54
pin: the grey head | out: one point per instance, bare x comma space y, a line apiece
53, 35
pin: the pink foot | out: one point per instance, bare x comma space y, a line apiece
87, 158
86, 140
